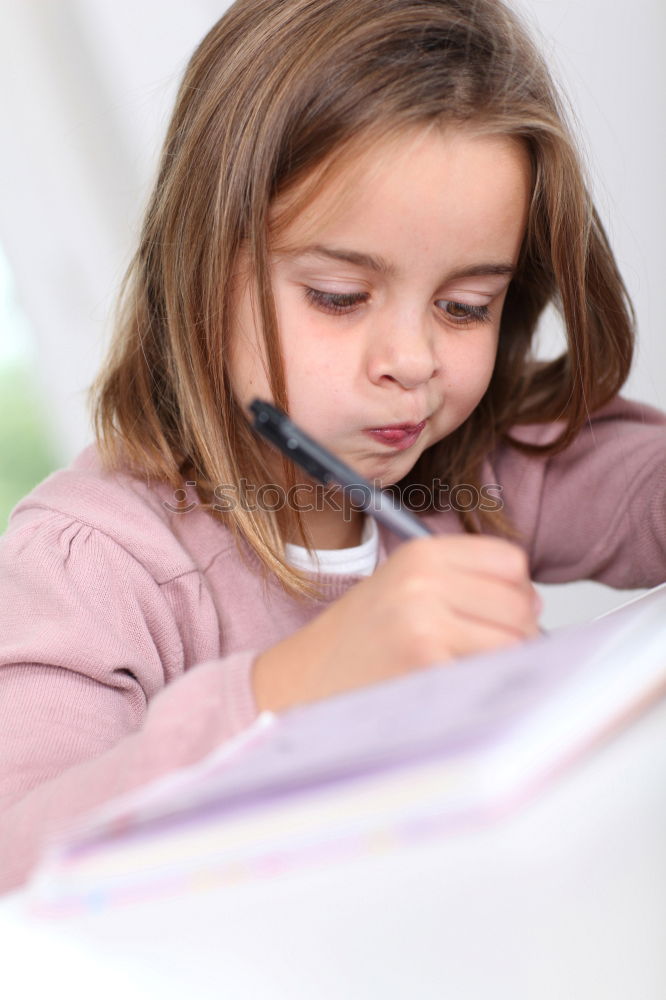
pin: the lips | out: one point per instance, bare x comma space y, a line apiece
397, 435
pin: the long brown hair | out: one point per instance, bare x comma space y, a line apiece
282, 91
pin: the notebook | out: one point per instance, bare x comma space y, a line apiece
436, 750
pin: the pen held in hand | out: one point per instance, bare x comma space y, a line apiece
277, 428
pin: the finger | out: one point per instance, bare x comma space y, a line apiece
488, 556
467, 639
503, 605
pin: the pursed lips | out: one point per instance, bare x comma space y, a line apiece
397, 435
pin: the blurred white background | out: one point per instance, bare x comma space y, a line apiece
88, 87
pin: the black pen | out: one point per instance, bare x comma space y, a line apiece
276, 427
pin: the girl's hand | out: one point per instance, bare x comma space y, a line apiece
433, 599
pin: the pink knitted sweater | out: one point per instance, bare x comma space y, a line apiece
128, 632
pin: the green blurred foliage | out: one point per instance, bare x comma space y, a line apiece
26, 453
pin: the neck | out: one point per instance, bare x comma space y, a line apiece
330, 530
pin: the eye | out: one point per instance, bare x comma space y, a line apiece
335, 302
460, 313
463, 314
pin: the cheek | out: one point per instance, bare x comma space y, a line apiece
472, 367
245, 355
313, 349
310, 373
247, 371
486, 365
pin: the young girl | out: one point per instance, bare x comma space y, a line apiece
362, 210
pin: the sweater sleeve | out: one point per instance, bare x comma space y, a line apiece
96, 692
597, 510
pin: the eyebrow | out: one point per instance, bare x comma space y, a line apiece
381, 266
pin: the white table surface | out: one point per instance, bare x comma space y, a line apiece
564, 899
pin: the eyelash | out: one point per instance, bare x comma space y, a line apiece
343, 303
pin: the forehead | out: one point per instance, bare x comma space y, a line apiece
366, 168
334, 182
465, 188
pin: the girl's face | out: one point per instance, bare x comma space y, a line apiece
389, 295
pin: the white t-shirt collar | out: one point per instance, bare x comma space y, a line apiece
359, 560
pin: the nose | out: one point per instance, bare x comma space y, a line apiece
403, 353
